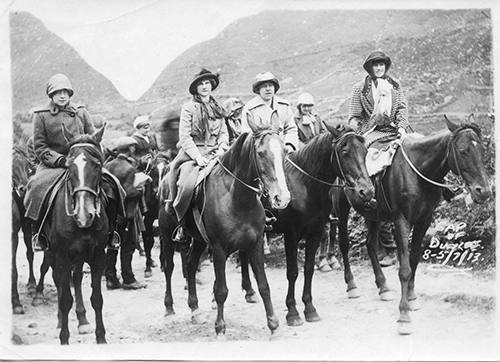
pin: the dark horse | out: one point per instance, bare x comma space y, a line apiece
411, 190
21, 170
232, 217
156, 170
311, 172
78, 228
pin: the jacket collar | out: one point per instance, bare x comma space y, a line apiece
257, 101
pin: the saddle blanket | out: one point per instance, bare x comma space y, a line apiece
379, 159
190, 176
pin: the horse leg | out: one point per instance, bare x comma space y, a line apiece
193, 259
168, 249
147, 237
323, 265
257, 261
419, 231
384, 291
97, 270
39, 298
83, 324
17, 308
30, 255
292, 272
220, 288
63, 276
311, 247
402, 231
246, 283
343, 215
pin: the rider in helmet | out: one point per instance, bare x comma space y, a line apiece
308, 122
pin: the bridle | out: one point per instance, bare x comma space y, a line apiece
261, 190
450, 149
71, 192
336, 144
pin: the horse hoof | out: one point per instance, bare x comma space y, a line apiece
312, 317
294, 321
18, 310
31, 289
386, 296
85, 329
148, 274
273, 323
221, 337
405, 328
37, 301
198, 318
252, 298
414, 304
334, 263
169, 311
353, 293
101, 341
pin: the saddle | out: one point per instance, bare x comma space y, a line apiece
380, 155
190, 177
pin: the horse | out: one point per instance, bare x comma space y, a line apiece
311, 172
77, 231
409, 192
21, 170
232, 217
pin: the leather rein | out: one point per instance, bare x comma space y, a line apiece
336, 143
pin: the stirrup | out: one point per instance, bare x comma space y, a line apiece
39, 242
179, 235
114, 241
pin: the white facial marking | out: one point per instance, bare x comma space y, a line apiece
80, 162
275, 148
474, 143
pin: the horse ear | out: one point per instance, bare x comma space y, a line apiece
334, 128
275, 121
451, 125
471, 118
98, 134
68, 136
251, 123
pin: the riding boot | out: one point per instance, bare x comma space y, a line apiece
39, 241
114, 239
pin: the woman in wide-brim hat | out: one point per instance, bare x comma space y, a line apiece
202, 129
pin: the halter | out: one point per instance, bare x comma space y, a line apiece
253, 159
72, 192
336, 143
449, 149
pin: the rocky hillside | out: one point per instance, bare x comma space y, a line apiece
37, 54
442, 57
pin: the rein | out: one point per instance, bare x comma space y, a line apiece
414, 168
342, 173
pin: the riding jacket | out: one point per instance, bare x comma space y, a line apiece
261, 113
48, 140
362, 105
308, 126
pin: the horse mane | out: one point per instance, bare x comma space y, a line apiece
310, 153
94, 151
231, 158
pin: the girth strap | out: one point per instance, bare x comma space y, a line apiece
199, 223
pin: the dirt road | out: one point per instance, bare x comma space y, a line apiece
456, 321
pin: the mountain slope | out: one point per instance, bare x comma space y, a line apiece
37, 54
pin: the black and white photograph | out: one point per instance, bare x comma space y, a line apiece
249, 180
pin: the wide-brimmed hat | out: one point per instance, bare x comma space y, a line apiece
124, 142
141, 121
262, 78
374, 56
59, 82
202, 75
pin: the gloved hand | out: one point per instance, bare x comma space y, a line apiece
202, 161
61, 162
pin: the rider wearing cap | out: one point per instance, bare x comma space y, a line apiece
308, 122
122, 167
146, 142
265, 104
233, 107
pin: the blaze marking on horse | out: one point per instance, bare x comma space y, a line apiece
275, 148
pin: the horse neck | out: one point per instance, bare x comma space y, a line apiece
316, 158
429, 155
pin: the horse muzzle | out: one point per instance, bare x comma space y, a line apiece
480, 194
86, 208
280, 200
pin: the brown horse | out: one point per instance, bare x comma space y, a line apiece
21, 170
311, 172
78, 229
409, 192
232, 217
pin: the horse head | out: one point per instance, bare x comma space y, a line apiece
465, 157
20, 169
84, 162
349, 152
